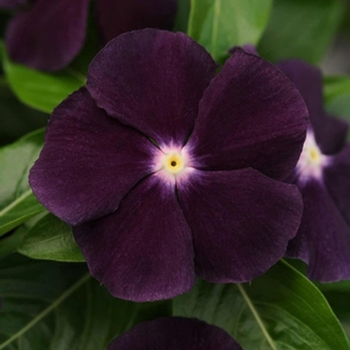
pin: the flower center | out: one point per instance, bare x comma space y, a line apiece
311, 160
173, 163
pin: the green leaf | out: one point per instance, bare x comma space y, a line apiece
17, 202
337, 295
16, 118
301, 29
42, 310
10, 242
40, 90
337, 95
182, 16
50, 239
280, 310
219, 25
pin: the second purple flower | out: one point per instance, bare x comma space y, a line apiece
167, 169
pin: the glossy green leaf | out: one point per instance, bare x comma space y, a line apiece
54, 306
219, 25
40, 90
337, 95
50, 239
17, 202
338, 295
301, 29
10, 242
280, 310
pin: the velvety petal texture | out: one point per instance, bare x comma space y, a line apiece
241, 222
323, 240
143, 251
175, 333
251, 115
330, 132
323, 177
167, 169
118, 16
89, 162
49, 35
152, 80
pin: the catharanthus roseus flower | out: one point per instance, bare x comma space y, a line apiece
323, 176
174, 333
49, 34
165, 168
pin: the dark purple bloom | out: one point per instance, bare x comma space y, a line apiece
165, 168
175, 333
49, 34
323, 177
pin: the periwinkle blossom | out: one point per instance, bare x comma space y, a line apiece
167, 169
48, 34
174, 333
323, 177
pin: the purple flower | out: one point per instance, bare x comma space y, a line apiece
49, 34
323, 177
174, 333
165, 168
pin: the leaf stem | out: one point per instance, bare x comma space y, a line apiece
46, 311
15, 202
256, 316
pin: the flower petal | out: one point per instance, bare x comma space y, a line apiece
116, 17
89, 161
241, 222
174, 333
330, 133
49, 35
143, 251
251, 115
337, 180
323, 240
152, 80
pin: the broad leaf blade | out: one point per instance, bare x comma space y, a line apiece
301, 29
280, 310
337, 295
55, 306
40, 90
219, 25
51, 239
17, 202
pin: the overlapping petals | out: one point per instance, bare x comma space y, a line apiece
48, 35
88, 153
157, 92
149, 244
323, 177
263, 134
154, 227
229, 231
174, 333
